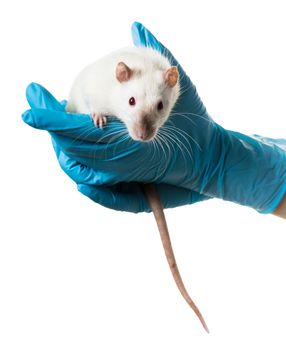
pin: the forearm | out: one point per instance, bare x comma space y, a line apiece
281, 209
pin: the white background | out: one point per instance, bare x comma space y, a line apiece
74, 275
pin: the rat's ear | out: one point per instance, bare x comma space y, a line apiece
123, 72
171, 76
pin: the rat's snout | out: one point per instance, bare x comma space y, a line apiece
143, 133
144, 130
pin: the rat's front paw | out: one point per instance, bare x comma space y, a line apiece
99, 119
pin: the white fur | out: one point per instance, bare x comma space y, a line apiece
96, 89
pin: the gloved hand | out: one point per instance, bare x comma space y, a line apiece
197, 154
77, 131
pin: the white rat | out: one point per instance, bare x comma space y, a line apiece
137, 85
140, 87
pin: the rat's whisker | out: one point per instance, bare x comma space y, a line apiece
170, 138
153, 148
179, 147
184, 149
190, 114
83, 135
187, 137
160, 143
175, 115
122, 137
108, 134
176, 142
166, 140
162, 140
174, 132
183, 89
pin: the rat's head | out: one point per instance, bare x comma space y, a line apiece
147, 97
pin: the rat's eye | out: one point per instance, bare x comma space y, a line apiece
160, 106
132, 101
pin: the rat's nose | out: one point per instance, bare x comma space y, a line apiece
143, 132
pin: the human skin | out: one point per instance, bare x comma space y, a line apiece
281, 209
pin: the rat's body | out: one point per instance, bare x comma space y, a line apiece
138, 86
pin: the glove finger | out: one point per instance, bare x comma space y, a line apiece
89, 149
39, 97
78, 130
141, 36
69, 124
77, 171
48, 114
174, 196
123, 196
130, 198
76, 126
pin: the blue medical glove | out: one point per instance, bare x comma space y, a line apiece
78, 131
225, 164
197, 154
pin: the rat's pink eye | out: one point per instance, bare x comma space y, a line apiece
132, 101
160, 106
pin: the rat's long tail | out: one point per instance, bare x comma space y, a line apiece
156, 206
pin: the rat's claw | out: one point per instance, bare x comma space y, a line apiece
104, 120
99, 120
